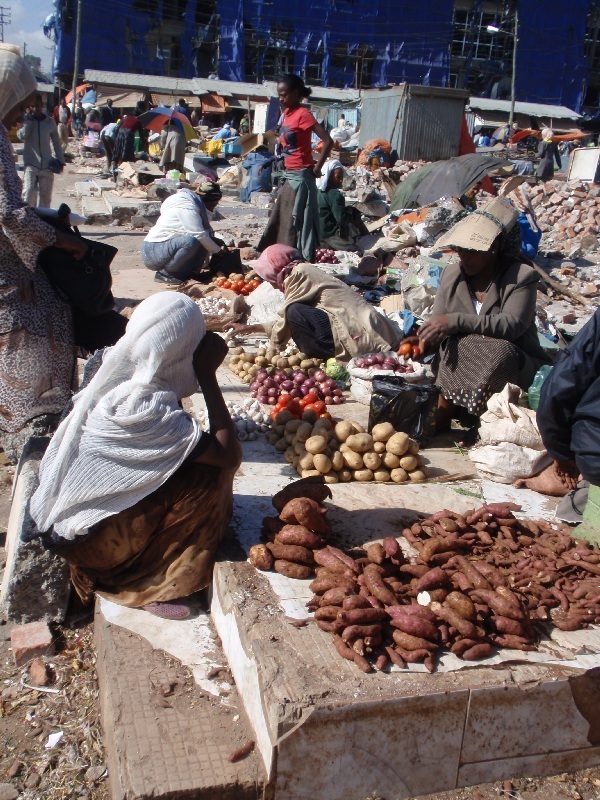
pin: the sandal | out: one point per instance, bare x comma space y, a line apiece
470, 437
172, 610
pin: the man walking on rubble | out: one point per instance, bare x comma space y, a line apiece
40, 136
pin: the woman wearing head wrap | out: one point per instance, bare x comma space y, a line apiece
324, 316
548, 152
181, 241
340, 225
133, 493
173, 154
124, 149
483, 317
37, 354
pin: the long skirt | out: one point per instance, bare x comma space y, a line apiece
124, 149
174, 153
472, 368
295, 217
160, 549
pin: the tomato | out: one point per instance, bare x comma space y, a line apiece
245, 291
294, 406
226, 284
405, 349
319, 406
284, 399
326, 415
311, 397
416, 352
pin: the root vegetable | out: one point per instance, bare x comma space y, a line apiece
322, 584
372, 461
345, 475
331, 562
399, 475
354, 631
379, 448
291, 570
376, 553
350, 603
381, 475
499, 605
336, 596
390, 461
322, 463
306, 512
377, 587
306, 461
449, 615
360, 442
330, 627
332, 477
409, 642
343, 430
363, 475
510, 626
337, 461
397, 444
328, 613
313, 488
260, 557
362, 616
416, 626
413, 656
436, 578
382, 431
481, 650
291, 552
345, 651
304, 432
409, 463
299, 535
418, 476
462, 604
352, 460
310, 473
316, 444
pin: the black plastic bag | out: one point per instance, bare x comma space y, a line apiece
410, 407
227, 262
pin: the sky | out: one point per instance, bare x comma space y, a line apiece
27, 17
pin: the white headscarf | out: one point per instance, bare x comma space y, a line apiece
17, 81
126, 433
328, 168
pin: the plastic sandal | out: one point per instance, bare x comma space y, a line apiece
171, 610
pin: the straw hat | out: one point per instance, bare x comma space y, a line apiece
480, 229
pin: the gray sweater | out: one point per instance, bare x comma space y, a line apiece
37, 135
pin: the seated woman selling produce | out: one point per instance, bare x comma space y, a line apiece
341, 225
133, 493
325, 317
483, 317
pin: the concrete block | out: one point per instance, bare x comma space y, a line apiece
30, 641
95, 210
36, 583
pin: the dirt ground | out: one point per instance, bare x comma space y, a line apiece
75, 766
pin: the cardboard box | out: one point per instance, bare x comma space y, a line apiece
392, 302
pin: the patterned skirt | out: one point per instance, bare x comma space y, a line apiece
160, 549
472, 368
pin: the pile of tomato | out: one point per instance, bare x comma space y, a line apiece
239, 286
410, 351
297, 406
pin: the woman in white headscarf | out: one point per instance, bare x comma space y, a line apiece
340, 225
548, 152
133, 494
37, 353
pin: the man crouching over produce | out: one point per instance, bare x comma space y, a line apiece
323, 315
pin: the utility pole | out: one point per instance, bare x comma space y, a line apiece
4, 20
24, 49
511, 116
76, 61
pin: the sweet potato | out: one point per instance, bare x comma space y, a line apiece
462, 604
330, 627
344, 557
291, 570
327, 613
291, 552
499, 605
321, 584
336, 596
307, 512
261, 557
506, 625
413, 656
395, 657
272, 525
409, 642
356, 601
413, 610
330, 561
345, 651
377, 587
471, 573
513, 642
314, 488
416, 570
376, 553
416, 626
363, 631
463, 626
482, 650
362, 616
299, 535
392, 548
436, 578
461, 645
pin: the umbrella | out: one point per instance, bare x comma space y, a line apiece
82, 88
156, 118
451, 178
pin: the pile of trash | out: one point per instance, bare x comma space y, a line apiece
569, 215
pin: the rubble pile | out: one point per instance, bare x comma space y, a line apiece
569, 215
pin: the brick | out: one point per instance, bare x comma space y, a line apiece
30, 641
39, 673
569, 319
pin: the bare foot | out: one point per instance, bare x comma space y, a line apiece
545, 482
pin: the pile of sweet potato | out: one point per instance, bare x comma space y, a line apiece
480, 580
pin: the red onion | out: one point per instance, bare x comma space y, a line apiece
296, 393
253, 394
328, 400
272, 401
337, 400
320, 376
304, 389
330, 383
299, 378
337, 393
287, 384
254, 386
310, 382
273, 391
268, 383
370, 360
262, 398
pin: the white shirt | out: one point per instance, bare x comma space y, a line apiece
180, 217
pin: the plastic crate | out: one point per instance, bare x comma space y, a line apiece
232, 148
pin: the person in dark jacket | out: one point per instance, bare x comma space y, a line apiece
340, 225
568, 415
548, 152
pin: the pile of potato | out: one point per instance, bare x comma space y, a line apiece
300, 530
344, 452
481, 580
246, 365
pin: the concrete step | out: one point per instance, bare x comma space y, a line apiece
165, 738
96, 210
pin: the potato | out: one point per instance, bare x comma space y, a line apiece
260, 557
399, 475
337, 461
293, 425
281, 445
316, 444
363, 475
280, 429
306, 363
372, 461
322, 463
306, 460
352, 460
282, 363
360, 442
343, 430
294, 361
381, 475
299, 447
413, 447
310, 473
304, 432
358, 428
290, 438
417, 476
397, 444
390, 461
382, 432
323, 423
289, 455
409, 463
343, 448
379, 447
345, 475
332, 477
295, 460
310, 415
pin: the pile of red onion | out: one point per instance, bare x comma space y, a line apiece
267, 388
378, 362
325, 256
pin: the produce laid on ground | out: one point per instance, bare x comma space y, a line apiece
342, 452
277, 379
248, 417
378, 362
240, 284
482, 579
325, 255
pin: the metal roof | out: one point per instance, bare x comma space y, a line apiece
45, 87
529, 109
200, 86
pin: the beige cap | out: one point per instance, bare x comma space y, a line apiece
480, 229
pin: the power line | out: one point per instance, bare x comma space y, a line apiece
4, 20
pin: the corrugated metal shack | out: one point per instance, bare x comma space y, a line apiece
420, 122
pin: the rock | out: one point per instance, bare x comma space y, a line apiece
8, 792
31, 640
14, 769
39, 672
589, 290
137, 221
95, 774
159, 192
33, 780
116, 223
569, 319
589, 242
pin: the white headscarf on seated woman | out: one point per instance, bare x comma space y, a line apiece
17, 81
326, 171
127, 433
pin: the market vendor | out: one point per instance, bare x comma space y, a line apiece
340, 225
133, 493
180, 243
482, 324
323, 315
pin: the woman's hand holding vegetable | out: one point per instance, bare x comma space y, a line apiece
239, 329
433, 332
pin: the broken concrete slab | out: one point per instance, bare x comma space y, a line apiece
123, 208
95, 210
36, 584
